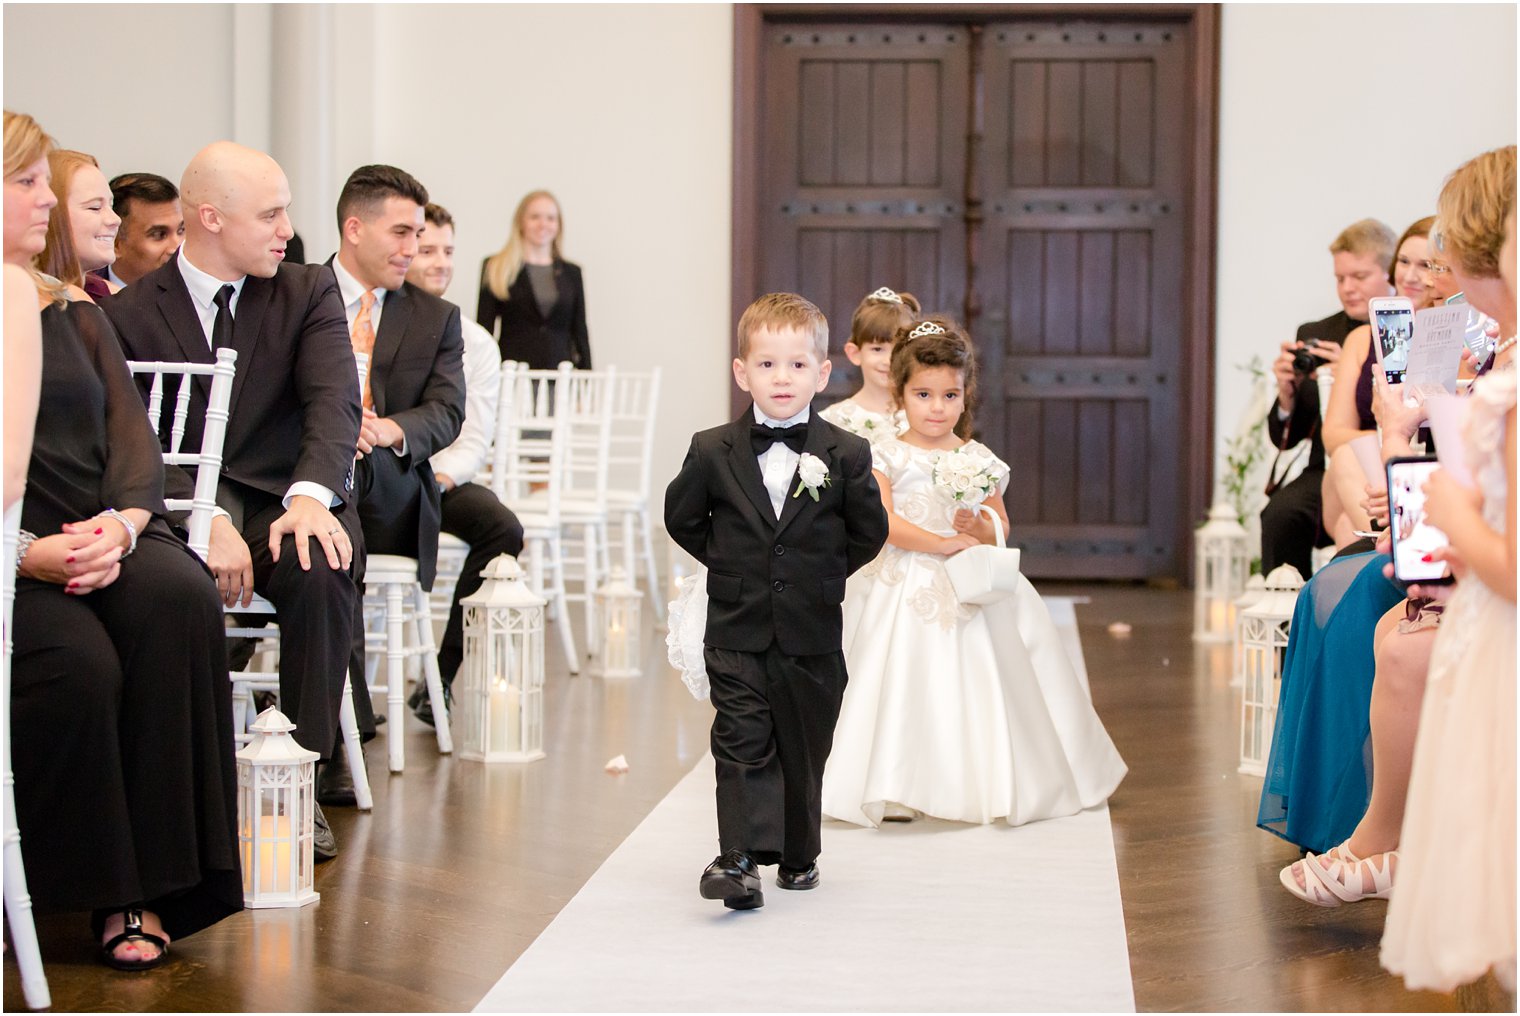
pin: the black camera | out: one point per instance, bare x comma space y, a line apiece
1305, 361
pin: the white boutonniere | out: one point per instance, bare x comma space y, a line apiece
812, 473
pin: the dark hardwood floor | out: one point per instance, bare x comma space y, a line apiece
461, 866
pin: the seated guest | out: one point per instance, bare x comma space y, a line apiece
1459, 821
414, 394
1290, 522
286, 529
121, 710
152, 225
470, 511
23, 376
1443, 707
1348, 413
82, 231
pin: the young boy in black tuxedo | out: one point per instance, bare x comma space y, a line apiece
781, 507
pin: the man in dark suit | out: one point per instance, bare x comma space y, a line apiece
1291, 528
414, 398
285, 529
777, 560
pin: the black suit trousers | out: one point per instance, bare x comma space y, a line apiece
315, 610
770, 739
1291, 526
472, 513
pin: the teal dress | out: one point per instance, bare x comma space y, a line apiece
1319, 774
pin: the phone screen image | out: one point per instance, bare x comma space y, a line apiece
1394, 328
1413, 537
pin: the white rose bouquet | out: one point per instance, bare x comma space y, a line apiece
967, 479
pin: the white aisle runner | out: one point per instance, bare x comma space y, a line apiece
922, 916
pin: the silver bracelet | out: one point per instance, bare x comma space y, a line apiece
24, 541
112, 513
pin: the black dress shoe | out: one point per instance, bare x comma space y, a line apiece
324, 845
734, 879
422, 703
335, 783
797, 878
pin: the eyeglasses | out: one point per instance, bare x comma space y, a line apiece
1435, 268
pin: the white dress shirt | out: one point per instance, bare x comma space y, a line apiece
465, 458
352, 291
778, 464
114, 279
203, 289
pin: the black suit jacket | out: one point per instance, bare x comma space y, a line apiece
526, 335
1304, 421
771, 579
417, 380
295, 399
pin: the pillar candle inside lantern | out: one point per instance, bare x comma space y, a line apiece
505, 715
274, 871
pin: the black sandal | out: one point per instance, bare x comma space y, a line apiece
132, 931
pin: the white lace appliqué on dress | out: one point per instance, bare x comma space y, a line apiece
862, 422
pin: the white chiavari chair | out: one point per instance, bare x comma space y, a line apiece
18, 902
208, 463
527, 475
583, 405
635, 398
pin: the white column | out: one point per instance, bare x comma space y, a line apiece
301, 136
252, 74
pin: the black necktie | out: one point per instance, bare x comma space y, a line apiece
762, 437
221, 332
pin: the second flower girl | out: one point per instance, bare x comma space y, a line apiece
962, 712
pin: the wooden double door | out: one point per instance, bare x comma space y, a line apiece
1034, 179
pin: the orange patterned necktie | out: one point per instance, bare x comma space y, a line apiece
363, 336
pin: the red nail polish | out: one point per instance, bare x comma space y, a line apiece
68, 560
99, 531
1428, 558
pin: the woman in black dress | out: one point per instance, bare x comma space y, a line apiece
534, 294
121, 710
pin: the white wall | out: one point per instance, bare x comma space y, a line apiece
1329, 114
625, 112
143, 77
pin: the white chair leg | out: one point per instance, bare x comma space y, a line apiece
422, 621
593, 582
395, 677
562, 604
348, 723
18, 904
655, 592
630, 552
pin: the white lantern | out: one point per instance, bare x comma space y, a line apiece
1256, 588
1221, 565
1264, 645
275, 801
499, 706
617, 608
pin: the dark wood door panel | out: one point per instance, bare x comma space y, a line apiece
1084, 248
864, 159
1040, 176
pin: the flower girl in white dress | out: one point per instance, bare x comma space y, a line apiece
871, 413
962, 712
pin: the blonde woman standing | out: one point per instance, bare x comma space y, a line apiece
531, 298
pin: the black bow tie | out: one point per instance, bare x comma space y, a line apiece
762, 437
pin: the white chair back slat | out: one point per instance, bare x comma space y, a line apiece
587, 415
208, 458
530, 448
636, 394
